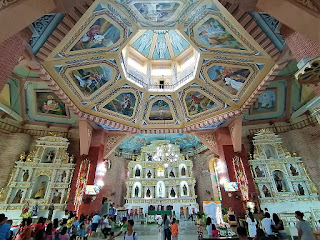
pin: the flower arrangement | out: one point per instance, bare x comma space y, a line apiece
26, 215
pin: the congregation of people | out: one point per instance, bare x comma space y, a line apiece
72, 227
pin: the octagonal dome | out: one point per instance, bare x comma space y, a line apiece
177, 64
159, 60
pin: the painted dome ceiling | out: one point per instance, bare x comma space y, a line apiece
161, 64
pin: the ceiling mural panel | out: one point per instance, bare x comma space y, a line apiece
91, 79
228, 78
101, 34
123, 104
157, 64
212, 33
44, 105
197, 102
160, 110
158, 13
271, 103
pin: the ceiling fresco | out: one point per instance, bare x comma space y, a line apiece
134, 143
165, 64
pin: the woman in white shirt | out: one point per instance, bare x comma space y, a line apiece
252, 225
267, 222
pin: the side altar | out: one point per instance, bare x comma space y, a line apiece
281, 178
39, 180
160, 179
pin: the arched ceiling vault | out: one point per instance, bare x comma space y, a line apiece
140, 66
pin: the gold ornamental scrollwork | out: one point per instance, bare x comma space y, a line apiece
43, 172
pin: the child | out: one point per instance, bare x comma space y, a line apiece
215, 232
174, 229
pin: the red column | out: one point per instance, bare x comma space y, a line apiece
10, 52
226, 155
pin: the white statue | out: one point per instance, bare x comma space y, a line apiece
160, 190
161, 47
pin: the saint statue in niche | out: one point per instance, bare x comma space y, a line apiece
185, 190
293, 170
137, 174
149, 174
148, 194
149, 157
172, 193
50, 156
62, 176
268, 153
266, 191
41, 191
160, 190
57, 197
259, 172
136, 191
25, 175
278, 181
183, 171
17, 198
300, 190
171, 174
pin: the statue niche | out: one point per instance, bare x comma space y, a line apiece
185, 190
293, 170
259, 172
183, 171
40, 187
17, 198
56, 197
149, 174
279, 180
171, 174
266, 191
270, 151
301, 191
148, 193
136, 191
49, 156
137, 172
25, 176
172, 193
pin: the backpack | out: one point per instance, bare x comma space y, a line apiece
125, 233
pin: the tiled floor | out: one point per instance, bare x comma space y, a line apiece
187, 231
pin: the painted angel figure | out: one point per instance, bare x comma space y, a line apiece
161, 47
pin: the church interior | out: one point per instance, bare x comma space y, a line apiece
207, 108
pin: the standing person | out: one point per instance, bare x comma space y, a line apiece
166, 227
64, 234
37, 227
174, 229
260, 235
209, 226
304, 229
190, 211
48, 235
95, 222
130, 234
267, 222
279, 227
4, 227
199, 223
252, 225
231, 217
242, 233
26, 231
112, 212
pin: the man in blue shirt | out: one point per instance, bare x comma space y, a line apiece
112, 213
4, 228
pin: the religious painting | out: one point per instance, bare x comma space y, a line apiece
161, 50
197, 102
101, 34
91, 79
48, 103
160, 110
213, 34
157, 12
266, 102
143, 43
178, 43
123, 104
230, 79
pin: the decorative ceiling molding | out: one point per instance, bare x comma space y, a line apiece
235, 128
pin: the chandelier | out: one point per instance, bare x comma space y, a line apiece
166, 154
